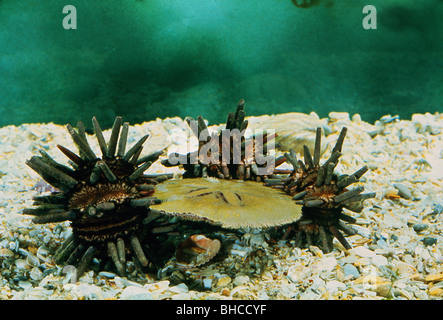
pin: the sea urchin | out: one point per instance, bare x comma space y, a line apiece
106, 199
323, 195
227, 154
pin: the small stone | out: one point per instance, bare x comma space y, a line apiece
426, 123
434, 277
429, 241
158, 287
309, 295
136, 293
180, 288
207, 283
339, 115
388, 118
85, 291
379, 261
362, 262
225, 292
419, 227
21, 264
295, 273
340, 275
363, 252
403, 269
371, 279
437, 208
223, 281
364, 232
240, 280
436, 292
32, 260
421, 295
351, 272
356, 118
392, 222
107, 274
316, 251
24, 284
123, 282
404, 293
267, 276
382, 244
403, 239
318, 283
384, 290
403, 190
328, 264
239, 250
36, 274
334, 286
181, 296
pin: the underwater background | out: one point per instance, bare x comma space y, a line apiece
148, 59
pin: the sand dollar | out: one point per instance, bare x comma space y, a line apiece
230, 203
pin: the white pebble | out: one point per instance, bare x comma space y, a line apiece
379, 261
318, 283
391, 222
364, 232
328, 264
403, 190
334, 286
21, 264
363, 252
12, 245
180, 288
158, 287
403, 239
309, 295
122, 282
87, 291
240, 280
24, 284
136, 293
356, 118
181, 296
32, 260
36, 274
339, 115
350, 271
426, 123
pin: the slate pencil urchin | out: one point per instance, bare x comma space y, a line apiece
220, 150
323, 195
106, 199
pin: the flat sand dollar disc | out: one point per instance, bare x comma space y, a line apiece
230, 203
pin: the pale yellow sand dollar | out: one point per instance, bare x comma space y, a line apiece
231, 203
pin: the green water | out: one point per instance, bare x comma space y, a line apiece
144, 59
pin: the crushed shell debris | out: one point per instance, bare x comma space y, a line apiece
397, 252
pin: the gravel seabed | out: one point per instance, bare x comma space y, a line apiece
397, 252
